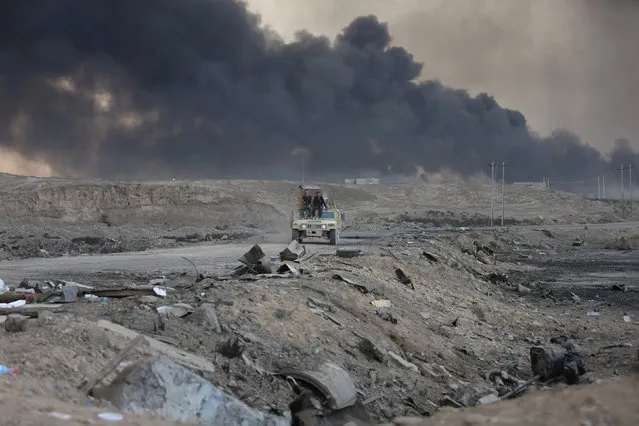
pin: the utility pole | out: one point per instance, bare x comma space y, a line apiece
603, 187
598, 188
492, 192
503, 173
621, 169
630, 186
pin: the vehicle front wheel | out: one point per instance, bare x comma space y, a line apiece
295, 235
333, 237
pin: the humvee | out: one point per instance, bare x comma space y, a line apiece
305, 227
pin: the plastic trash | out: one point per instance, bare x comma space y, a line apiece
60, 416
159, 291
3, 287
7, 370
14, 304
94, 298
110, 417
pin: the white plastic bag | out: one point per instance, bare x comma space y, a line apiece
3, 288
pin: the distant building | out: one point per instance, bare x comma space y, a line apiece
362, 181
538, 185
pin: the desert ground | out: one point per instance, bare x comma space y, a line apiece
430, 350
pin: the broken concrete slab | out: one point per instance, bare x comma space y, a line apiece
289, 268
254, 255
331, 380
183, 358
294, 251
157, 387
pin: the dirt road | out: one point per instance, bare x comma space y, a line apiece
163, 261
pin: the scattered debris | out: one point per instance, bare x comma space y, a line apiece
320, 304
381, 303
403, 363
489, 399
550, 362
16, 323
177, 310
430, 257
288, 268
496, 278
447, 401
619, 287
198, 277
121, 292
371, 350
404, 279
578, 242
293, 252
386, 316
253, 256
484, 254
348, 253
158, 387
593, 313
206, 316
70, 293
231, 348
548, 233
523, 290
184, 358
20, 307
360, 287
331, 380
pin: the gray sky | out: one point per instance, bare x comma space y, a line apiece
570, 64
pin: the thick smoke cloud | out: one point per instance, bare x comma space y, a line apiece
116, 88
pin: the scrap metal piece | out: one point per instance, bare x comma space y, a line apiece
331, 380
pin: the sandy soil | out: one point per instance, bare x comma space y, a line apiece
455, 325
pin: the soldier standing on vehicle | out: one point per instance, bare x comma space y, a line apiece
318, 205
307, 200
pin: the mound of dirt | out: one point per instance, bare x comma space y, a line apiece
267, 205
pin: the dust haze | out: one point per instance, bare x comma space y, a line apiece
193, 88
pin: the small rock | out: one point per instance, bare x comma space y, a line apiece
403, 363
523, 290
16, 323
150, 300
489, 399
44, 317
372, 351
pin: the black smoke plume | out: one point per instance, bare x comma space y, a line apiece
197, 88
